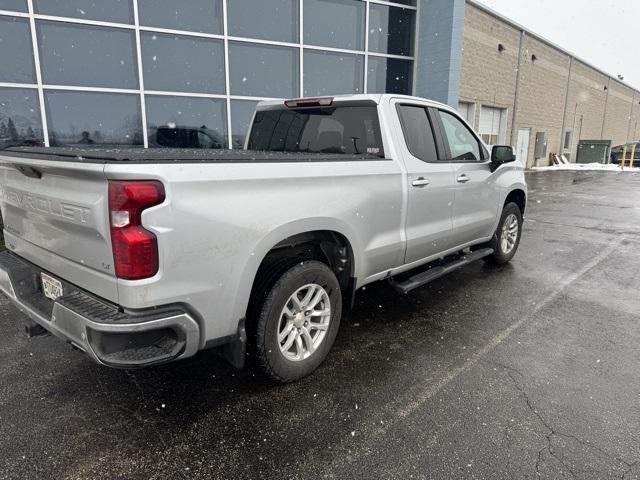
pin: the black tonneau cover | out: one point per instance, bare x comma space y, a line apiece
170, 155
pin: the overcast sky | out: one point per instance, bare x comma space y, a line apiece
605, 33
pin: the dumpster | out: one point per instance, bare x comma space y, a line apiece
594, 151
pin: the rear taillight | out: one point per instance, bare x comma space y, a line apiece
135, 250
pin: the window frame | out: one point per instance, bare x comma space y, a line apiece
503, 124
48, 62
434, 131
388, 34
484, 153
471, 110
205, 79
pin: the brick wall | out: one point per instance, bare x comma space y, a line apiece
634, 124
586, 104
488, 75
620, 101
543, 85
553, 90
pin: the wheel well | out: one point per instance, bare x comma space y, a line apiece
329, 247
519, 198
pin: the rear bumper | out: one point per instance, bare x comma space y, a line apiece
106, 333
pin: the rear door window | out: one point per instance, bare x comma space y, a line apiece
349, 130
418, 132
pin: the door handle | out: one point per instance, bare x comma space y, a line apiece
421, 182
463, 179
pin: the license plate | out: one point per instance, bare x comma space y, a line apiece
51, 287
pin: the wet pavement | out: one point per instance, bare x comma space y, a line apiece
531, 370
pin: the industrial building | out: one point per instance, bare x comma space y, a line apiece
516, 87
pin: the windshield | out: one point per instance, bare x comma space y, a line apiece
353, 130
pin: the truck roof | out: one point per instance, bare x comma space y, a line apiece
376, 98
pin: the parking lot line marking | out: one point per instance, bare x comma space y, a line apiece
478, 355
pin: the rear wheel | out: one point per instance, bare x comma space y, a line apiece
298, 322
506, 240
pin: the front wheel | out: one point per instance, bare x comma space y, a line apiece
507, 238
298, 322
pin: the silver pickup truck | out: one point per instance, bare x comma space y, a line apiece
141, 257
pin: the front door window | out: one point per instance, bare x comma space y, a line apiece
462, 143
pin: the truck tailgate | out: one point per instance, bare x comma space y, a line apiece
56, 215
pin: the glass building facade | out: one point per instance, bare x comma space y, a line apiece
167, 73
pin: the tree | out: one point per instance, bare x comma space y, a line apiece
30, 132
11, 130
3, 130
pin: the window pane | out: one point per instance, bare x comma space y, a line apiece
118, 11
180, 63
418, 132
462, 143
19, 117
339, 130
334, 23
265, 19
405, 2
195, 15
84, 55
264, 70
493, 123
16, 51
180, 122
79, 119
13, 5
391, 30
241, 115
328, 73
567, 140
468, 112
389, 75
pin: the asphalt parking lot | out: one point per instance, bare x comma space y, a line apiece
527, 371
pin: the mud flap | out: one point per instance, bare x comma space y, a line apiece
235, 352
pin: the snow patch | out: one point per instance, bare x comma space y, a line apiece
580, 167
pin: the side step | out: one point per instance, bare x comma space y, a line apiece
434, 273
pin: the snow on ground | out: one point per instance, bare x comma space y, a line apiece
579, 167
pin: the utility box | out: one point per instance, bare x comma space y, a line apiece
541, 145
594, 151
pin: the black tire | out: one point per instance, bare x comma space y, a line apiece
500, 256
269, 358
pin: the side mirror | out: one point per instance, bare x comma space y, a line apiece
501, 154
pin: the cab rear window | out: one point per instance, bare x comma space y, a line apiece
349, 130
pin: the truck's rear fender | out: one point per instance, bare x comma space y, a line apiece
308, 230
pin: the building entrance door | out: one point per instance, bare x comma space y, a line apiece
522, 149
